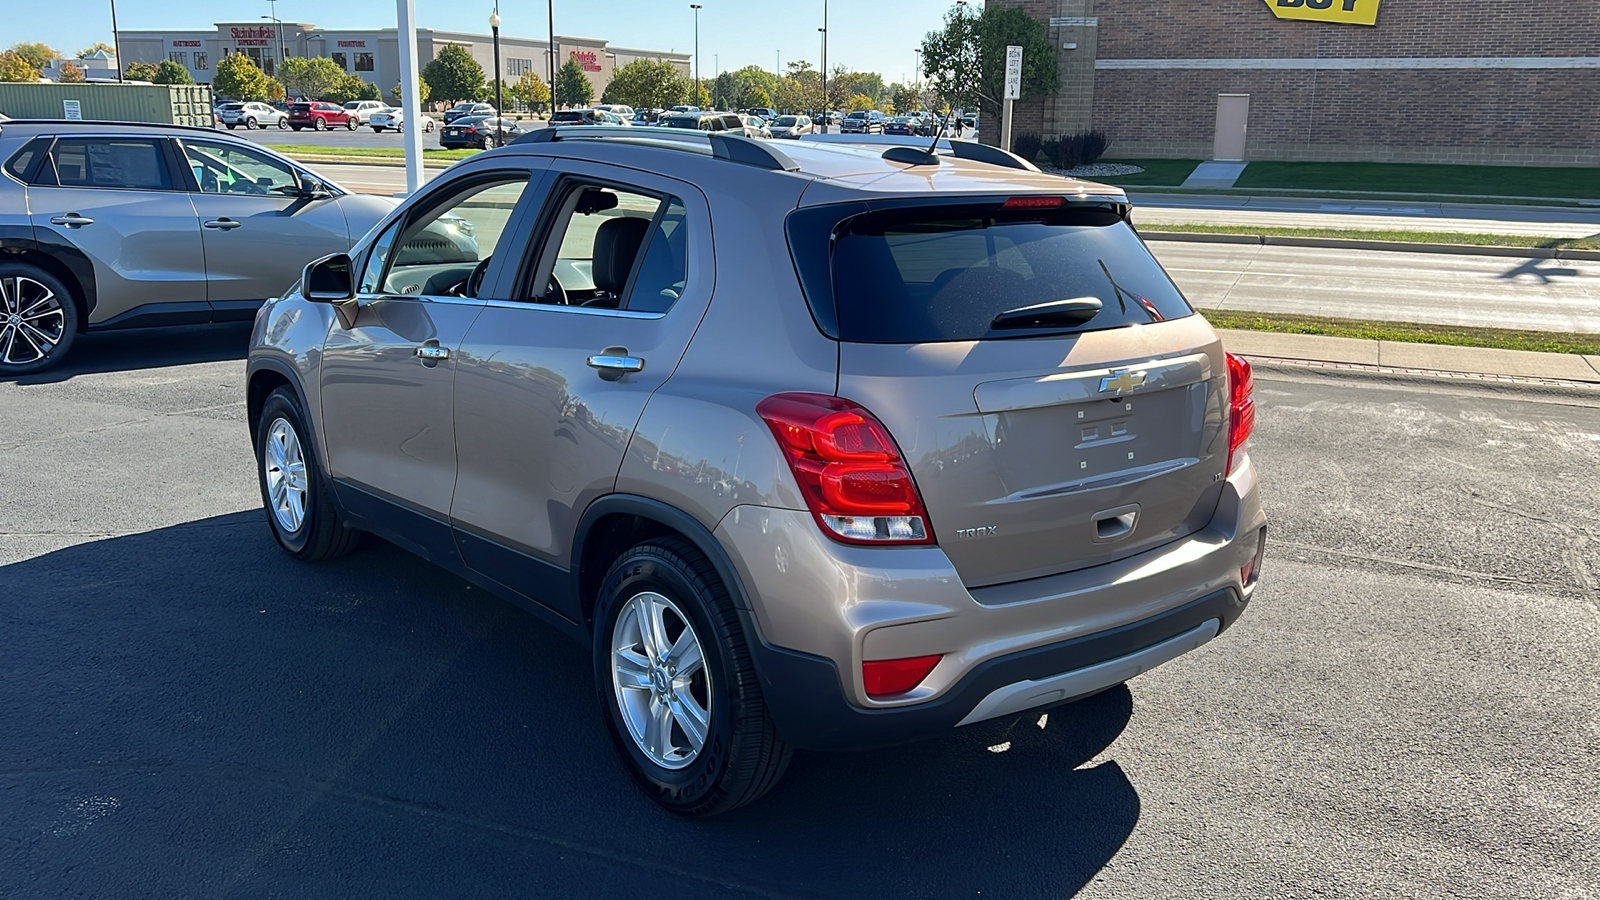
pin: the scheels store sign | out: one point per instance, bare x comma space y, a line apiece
1349, 12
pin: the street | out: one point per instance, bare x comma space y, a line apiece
1406, 709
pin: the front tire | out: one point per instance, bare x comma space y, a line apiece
350, 124
38, 319
677, 686
300, 507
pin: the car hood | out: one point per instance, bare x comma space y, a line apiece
362, 212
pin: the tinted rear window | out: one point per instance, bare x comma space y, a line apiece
110, 163
943, 274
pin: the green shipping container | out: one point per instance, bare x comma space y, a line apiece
168, 104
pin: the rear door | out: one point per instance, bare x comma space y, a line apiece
117, 198
1044, 448
550, 386
257, 231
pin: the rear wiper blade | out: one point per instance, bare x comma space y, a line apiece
1075, 311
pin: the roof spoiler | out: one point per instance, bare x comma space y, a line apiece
972, 150
731, 147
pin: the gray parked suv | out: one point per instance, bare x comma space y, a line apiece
809, 448
106, 225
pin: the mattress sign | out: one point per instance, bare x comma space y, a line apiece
1349, 12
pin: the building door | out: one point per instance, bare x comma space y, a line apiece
1233, 121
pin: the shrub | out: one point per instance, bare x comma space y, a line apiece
1027, 146
1072, 150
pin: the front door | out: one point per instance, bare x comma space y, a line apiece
550, 387
118, 200
1233, 120
387, 381
257, 231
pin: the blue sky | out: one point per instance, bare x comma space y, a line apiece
869, 35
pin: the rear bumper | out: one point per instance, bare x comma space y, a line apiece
818, 609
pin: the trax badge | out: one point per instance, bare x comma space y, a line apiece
1121, 380
980, 531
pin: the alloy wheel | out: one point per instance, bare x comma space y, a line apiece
662, 685
285, 466
32, 321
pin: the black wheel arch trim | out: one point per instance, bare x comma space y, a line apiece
22, 239
691, 528
279, 367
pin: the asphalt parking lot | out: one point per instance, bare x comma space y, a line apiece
1407, 709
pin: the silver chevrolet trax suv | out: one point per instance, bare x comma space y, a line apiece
833, 446
111, 225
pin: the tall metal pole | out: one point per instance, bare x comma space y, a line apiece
550, 7
696, 8
277, 26
824, 66
116, 40
499, 103
410, 100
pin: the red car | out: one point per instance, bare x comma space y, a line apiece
320, 116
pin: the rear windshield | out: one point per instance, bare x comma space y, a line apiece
785, 121
568, 117
943, 274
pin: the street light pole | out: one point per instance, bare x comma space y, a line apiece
277, 30
551, 10
824, 30
696, 7
116, 40
499, 105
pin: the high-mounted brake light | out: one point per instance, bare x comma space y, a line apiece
1034, 203
887, 677
849, 469
1241, 405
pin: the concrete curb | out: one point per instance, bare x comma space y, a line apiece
1386, 246
1400, 356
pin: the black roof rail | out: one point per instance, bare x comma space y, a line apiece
102, 122
732, 147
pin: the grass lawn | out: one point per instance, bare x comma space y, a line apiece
1502, 181
370, 152
1166, 172
1498, 338
1413, 237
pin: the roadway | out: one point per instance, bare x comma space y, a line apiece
1407, 708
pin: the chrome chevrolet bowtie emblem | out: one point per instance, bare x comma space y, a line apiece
1120, 381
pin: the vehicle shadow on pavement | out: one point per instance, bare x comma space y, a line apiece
374, 726
147, 348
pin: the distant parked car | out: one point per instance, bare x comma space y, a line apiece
596, 116
483, 132
766, 113
395, 118
113, 226
320, 116
468, 108
251, 115
621, 110
755, 126
363, 109
865, 121
900, 125
792, 126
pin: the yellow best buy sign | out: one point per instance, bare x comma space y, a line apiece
1350, 12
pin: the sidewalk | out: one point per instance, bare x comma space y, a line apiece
1424, 358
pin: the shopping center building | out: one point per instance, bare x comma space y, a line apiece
1458, 81
375, 55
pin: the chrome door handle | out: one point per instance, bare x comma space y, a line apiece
71, 219
614, 362
223, 223
433, 352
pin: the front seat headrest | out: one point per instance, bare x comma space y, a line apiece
616, 245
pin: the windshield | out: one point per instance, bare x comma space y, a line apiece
943, 274
786, 121
857, 115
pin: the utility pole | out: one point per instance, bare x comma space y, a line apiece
551, 10
499, 101
116, 40
696, 7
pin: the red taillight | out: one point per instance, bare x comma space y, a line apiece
849, 469
1241, 406
887, 677
1033, 203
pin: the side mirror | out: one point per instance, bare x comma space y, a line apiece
312, 189
329, 279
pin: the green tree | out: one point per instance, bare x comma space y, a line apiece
573, 88
38, 55
169, 72
905, 98
95, 47
350, 87
700, 98
237, 77
141, 71
71, 73
647, 84
423, 91
454, 75
858, 101
531, 91
311, 78
966, 60
14, 68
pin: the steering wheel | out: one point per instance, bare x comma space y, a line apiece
555, 293
469, 288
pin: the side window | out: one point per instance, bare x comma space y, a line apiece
614, 249
111, 163
444, 250
231, 169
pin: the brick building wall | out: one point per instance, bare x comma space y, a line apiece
1469, 81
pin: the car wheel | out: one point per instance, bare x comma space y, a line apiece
675, 680
320, 124
298, 497
427, 127
282, 124
350, 124
488, 143
249, 123
38, 319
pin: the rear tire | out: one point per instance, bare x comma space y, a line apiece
740, 756
295, 491
249, 124
320, 124
38, 319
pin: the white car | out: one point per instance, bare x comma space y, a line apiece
395, 117
251, 115
362, 110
